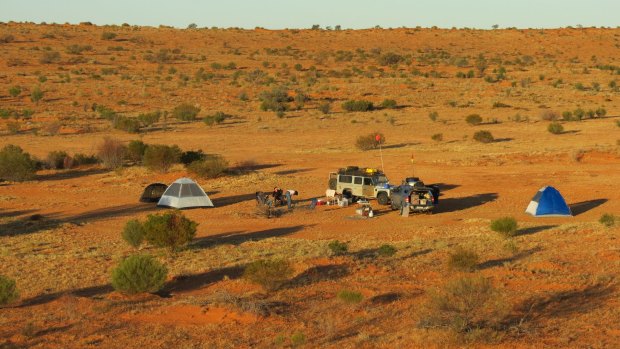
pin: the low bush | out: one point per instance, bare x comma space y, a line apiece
389, 104
133, 233
463, 259
111, 152
275, 100
437, 137
83, 159
36, 94
270, 274
433, 116
359, 105
350, 297
8, 290
217, 118
484, 137
15, 164
13, 127
185, 112
171, 230
325, 108
139, 273
160, 157
127, 124
370, 141
211, 167
556, 128
465, 304
108, 36
187, 157
15, 91
473, 119
549, 115
49, 57
338, 248
56, 159
506, 226
135, 150
148, 119
608, 220
386, 250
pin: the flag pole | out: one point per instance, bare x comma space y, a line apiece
378, 139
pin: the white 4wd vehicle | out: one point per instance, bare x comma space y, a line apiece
355, 182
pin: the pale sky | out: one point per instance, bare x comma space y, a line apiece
278, 14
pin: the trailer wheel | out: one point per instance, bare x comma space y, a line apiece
382, 198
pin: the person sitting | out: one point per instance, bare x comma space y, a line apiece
277, 196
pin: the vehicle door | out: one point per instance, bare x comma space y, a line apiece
358, 186
368, 188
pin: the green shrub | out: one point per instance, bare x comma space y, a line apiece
298, 339
618, 123
211, 167
600, 112
370, 141
185, 112
139, 273
608, 220
579, 113
386, 250
148, 119
15, 91
171, 230
556, 128
15, 164
108, 36
390, 58
484, 137
506, 226
270, 274
361, 105
338, 248
187, 157
8, 290
325, 107
160, 157
350, 297
464, 305
133, 233
127, 124
136, 150
389, 104
56, 159
83, 159
463, 259
473, 119
433, 116
437, 137
111, 152
13, 127
216, 118
6, 38
275, 100
36, 95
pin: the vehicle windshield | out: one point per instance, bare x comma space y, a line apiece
380, 179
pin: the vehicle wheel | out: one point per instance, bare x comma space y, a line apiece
382, 198
332, 183
347, 194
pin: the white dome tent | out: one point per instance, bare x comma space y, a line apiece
184, 193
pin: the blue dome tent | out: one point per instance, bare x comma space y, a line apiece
548, 202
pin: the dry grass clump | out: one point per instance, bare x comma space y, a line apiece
507, 226
270, 274
463, 259
370, 141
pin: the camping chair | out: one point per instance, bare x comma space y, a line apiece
330, 194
